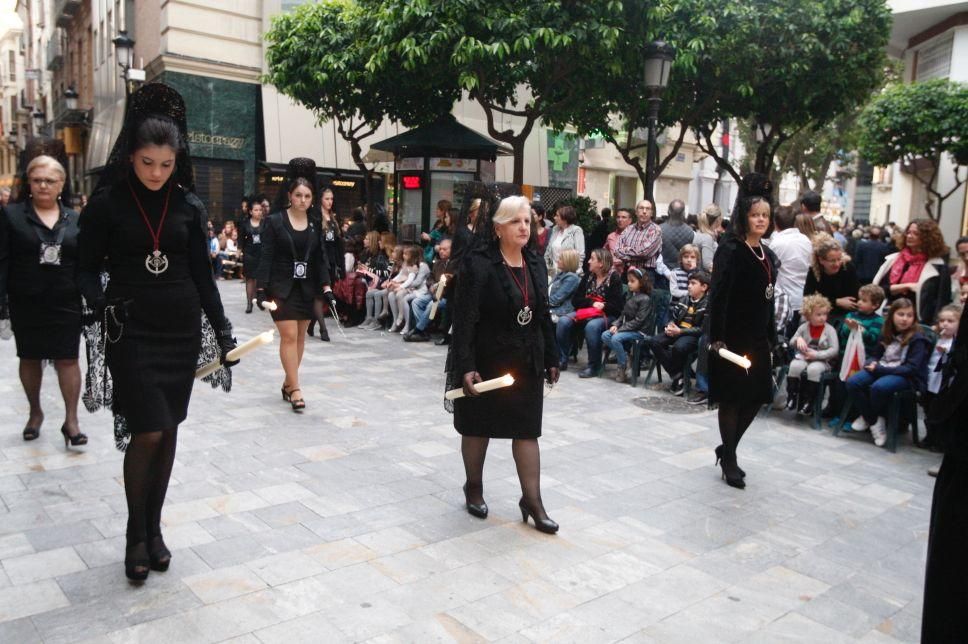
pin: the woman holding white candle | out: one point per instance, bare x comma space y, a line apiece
741, 321
293, 271
147, 227
502, 326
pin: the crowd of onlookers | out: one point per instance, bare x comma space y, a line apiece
636, 284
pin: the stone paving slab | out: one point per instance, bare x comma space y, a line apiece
346, 523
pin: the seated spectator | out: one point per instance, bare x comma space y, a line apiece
688, 264
443, 227
408, 261
865, 317
214, 248
376, 269
407, 294
680, 337
350, 289
899, 362
564, 284
423, 304
833, 276
636, 321
948, 320
816, 346
598, 300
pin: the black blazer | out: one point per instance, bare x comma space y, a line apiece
492, 329
21, 233
276, 264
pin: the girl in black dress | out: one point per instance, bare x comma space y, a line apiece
250, 230
741, 320
329, 230
293, 272
147, 228
503, 325
38, 255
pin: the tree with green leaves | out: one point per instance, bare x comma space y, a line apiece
793, 64
553, 50
318, 55
919, 124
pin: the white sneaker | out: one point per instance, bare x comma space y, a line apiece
859, 425
879, 432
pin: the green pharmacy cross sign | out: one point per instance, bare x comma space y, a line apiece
558, 155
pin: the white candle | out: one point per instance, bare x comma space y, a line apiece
736, 359
237, 352
488, 385
440, 291
268, 304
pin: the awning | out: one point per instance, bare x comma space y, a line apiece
444, 137
104, 131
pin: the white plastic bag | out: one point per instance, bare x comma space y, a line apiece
854, 355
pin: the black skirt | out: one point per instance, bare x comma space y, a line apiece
510, 412
295, 307
47, 327
153, 363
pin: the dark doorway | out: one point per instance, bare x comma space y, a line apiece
220, 185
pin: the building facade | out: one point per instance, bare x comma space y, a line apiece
13, 113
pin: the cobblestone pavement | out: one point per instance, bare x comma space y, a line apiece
347, 523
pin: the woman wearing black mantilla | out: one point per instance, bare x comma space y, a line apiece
741, 319
147, 227
502, 325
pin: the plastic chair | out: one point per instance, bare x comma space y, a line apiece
902, 408
828, 380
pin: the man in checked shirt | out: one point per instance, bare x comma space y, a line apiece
639, 246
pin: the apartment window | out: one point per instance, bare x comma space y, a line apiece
12, 65
934, 60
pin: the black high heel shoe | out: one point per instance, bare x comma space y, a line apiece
719, 457
541, 525
297, 405
478, 510
137, 565
31, 433
286, 394
248, 306
75, 440
159, 555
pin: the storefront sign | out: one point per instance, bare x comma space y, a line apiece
411, 163
204, 138
412, 182
454, 165
343, 183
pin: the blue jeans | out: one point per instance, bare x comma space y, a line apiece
593, 338
872, 394
421, 311
661, 299
616, 343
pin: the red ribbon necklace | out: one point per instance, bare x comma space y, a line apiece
156, 263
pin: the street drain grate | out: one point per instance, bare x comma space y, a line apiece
668, 404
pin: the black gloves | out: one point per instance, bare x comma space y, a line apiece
225, 344
330, 299
261, 298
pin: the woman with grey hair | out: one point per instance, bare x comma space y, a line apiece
38, 256
503, 326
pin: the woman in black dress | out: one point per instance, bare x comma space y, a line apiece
833, 275
148, 230
38, 255
293, 272
329, 230
250, 230
502, 325
741, 320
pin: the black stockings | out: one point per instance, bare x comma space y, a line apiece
734, 419
527, 459
148, 462
249, 290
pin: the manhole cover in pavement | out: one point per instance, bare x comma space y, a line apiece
668, 404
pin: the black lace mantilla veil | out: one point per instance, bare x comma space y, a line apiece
153, 99
466, 240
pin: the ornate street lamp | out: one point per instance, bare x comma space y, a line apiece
40, 117
70, 98
124, 48
658, 64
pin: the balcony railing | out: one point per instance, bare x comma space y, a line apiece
55, 53
64, 11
